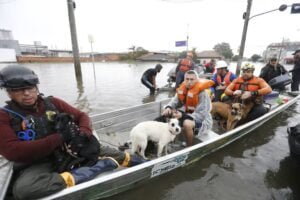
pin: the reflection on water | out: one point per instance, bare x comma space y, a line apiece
255, 167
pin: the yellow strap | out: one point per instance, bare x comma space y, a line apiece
111, 158
126, 160
68, 178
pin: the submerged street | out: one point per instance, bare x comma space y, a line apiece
257, 166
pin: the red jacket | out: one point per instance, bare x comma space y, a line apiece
27, 151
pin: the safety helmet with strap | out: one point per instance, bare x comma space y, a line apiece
248, 66
17, 76
221, 64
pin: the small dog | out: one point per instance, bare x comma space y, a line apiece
162, 133
220, 111
238, 112
230, 114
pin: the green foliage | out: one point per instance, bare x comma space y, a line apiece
255, 57
136, 52
224, 49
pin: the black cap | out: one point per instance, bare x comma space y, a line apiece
298, 50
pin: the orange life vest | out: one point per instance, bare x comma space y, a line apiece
185, 65
251, 85
226, 79
190, 97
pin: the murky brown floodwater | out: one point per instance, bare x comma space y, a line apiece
257, 166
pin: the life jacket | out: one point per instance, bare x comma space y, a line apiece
41, 125
226, 79
190, 97
251, 85
185, 65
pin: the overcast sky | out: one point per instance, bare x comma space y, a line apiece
152, 24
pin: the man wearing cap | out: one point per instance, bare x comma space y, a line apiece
149, 78
296, 71
249, 87
272, 70
222, 78
183, 66
32, 139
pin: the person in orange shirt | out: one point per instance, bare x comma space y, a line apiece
250, 87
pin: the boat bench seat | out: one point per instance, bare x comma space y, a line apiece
113, 128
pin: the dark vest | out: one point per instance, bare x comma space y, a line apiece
42, 125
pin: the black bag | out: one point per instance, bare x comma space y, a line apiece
294, 139
280, 81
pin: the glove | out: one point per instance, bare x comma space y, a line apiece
237, 92
246, 95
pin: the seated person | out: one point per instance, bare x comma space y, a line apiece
249, 87
222, 79
183, 66
30, 137
272, 70
194, 104
210, 66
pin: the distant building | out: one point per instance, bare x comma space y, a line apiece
205, 56
37, 49
282, 50
60, 53
157, 56
7, 43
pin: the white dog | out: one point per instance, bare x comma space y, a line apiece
159, 132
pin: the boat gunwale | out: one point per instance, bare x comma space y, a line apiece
126, 171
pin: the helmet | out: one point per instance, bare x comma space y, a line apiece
248, 66
221, 64
17, 76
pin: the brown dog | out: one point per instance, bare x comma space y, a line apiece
221, 111
230, 114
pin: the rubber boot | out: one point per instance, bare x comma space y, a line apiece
135, 160
84, 174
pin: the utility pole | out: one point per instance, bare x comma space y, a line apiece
187, 38
243, 41
91, 40
71, 6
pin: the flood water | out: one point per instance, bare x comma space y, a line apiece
257, 166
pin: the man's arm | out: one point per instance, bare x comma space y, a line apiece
13, 149
80, 118
229, 90
264, 87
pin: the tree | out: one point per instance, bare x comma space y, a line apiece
224, 49
255, 57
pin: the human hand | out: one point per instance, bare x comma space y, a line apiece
167, 112
237, 93
177, 114
221, 87
246, 95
